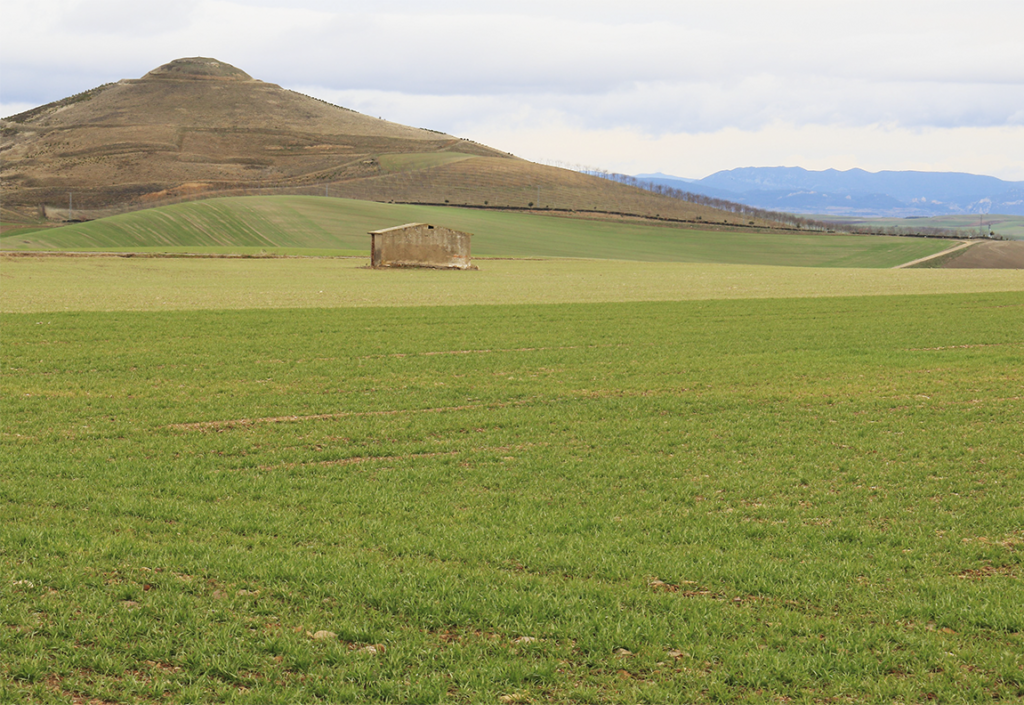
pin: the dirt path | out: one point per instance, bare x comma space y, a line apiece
959, 247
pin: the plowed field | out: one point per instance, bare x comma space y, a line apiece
990, 255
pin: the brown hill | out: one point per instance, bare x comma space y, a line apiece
198, 127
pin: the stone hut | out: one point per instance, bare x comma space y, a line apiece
420, 245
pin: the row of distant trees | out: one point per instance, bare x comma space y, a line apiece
739, 209
923, 231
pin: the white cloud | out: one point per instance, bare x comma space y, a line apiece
8, 109
541, 131
872, 147
125, 18
649, 71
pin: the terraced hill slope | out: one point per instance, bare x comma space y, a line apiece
198, 127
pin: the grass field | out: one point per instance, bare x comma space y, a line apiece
574, 480
293, 223
40, 284
669, 501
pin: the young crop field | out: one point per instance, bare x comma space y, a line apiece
291, 223
59, 283
753, 500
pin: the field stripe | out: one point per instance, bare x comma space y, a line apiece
350, 461
486, 351
235, 423
228, 424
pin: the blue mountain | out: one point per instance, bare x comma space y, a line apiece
856, 192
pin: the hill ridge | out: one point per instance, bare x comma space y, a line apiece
197, 68
199, 127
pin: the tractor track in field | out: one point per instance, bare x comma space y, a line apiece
168, 255
920, 260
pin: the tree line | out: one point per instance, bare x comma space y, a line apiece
739, 209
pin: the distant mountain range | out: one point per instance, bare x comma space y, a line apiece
889, 194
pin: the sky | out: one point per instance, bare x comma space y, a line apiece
685, 88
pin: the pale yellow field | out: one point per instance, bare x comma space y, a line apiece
40, 284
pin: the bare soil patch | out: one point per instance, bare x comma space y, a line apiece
1003, 254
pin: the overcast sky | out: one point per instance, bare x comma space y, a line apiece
687, 87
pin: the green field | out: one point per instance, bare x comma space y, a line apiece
291, 224
553, 480
815, 498
37, 284
688, 479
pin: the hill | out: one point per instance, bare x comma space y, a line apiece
198, 127
855, 192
